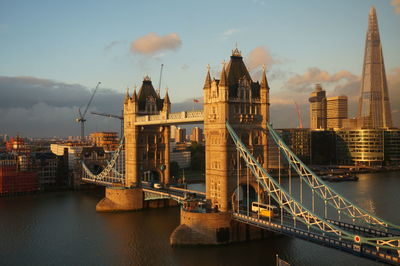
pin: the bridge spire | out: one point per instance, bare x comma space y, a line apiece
264, 82
222, 82
126, 96
207, 83
134, 95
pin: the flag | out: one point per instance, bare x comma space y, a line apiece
195, 100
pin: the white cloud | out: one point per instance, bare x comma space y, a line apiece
259, 56
306, 81
152, 43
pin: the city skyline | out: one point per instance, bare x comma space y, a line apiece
47, 97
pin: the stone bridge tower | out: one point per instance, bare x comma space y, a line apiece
245, 104
147, 148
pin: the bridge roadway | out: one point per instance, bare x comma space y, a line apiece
175, 193
285, 226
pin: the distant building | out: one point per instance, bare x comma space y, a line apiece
94, 157
360, 147
173, 132
323, 147
180, 135
318, 108
336, 111
298, 140
107, 140
47, 165
179, 153
17, 145
197, 135
392, 146
374, 106
13, 179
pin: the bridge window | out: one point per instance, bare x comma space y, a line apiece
151, 155
236, 109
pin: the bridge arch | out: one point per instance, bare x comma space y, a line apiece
256, 192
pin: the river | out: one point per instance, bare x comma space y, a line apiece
63, 228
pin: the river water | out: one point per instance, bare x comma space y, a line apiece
63, 228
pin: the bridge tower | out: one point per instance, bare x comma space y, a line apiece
146, 149
245, 104
234, 97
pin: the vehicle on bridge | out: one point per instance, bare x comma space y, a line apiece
265, 210
158, 185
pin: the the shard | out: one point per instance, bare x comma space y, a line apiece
374, 107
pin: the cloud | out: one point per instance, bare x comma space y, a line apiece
259, 56
42, 107
396, 4
306, 81
152, 43
185, 67
230, 32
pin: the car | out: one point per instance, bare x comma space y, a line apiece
158, 185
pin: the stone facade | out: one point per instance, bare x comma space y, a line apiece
245, 104
147, 148
121, 199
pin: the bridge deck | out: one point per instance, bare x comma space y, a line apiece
319, 238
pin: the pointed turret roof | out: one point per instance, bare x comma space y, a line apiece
264, 82
207, 82
145, 91
166, 98
134, 95
236, 70
126, 95
222, 81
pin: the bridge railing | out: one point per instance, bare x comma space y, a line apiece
326, 193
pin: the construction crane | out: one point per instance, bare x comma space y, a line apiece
159, 82
81, 119
120, 117
299, 115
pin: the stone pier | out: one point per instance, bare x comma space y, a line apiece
213, 228
121, 199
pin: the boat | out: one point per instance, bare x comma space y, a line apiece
345, 177
340, 178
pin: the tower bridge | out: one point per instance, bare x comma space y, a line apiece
238, 137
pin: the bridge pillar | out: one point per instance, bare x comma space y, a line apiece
214, 228
202, 229
121, 199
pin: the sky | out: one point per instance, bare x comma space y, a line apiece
53, 53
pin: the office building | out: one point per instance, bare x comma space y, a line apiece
336, 111
318, 108
374, 106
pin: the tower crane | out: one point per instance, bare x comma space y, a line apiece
81, 118
120, 117
159, 82
299, 115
